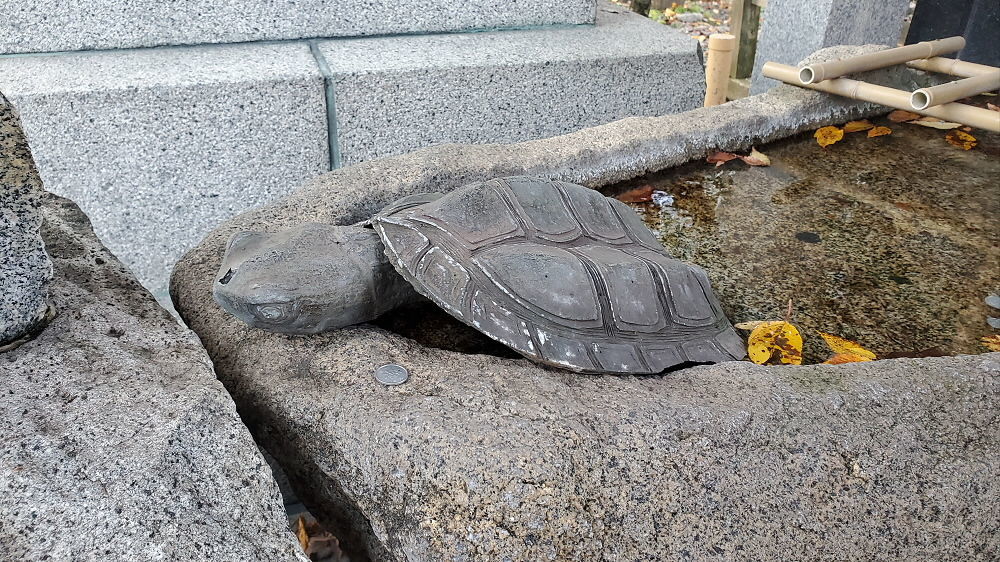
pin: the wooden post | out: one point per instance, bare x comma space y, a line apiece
744, 23
720, 54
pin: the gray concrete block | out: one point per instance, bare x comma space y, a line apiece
160, 145
119, 443
394, 95
54, 25
25, 269
793, 29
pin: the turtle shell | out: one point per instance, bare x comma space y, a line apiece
559, 273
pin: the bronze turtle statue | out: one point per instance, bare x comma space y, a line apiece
556, 271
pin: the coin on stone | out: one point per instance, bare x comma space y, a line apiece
391, 374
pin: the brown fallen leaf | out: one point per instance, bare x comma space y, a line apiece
935, 123
756, 158
900, 116
993, 107
879, 132
641, 194
845, 350
826, 136
775, 342
961, 139
855, 126
719, 158
751, 324
301, 533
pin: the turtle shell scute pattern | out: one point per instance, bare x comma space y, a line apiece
561, 274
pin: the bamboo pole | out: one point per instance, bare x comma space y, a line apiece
953, 67
837, 68
944, 93
720, 57
891, 97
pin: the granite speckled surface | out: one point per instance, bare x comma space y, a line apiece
485, 457
118, 441
56, 25
394, 95
25, 269
794, 28
160, 145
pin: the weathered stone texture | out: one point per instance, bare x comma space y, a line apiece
487, 458
25, 269
118, 441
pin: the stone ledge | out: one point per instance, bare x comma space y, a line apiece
31, 26
119, 442
160, 145
398, 94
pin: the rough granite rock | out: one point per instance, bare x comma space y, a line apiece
25, 269
480, 457
118, 441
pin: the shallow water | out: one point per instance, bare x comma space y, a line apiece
890, 241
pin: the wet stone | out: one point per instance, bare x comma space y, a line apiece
892, 241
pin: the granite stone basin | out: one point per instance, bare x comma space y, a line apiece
487, 457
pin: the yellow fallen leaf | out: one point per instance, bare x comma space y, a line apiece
757, 158
961, 139
826, 136
841, 358
775, 342
879, 131
843, 346
900, 116
992, 343
935, 123
855, 126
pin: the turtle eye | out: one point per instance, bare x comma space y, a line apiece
272, 312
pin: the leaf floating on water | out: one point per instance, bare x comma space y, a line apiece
775, 342
855, 126
851, 351
756, 158
879, 132
841, 358
992, 343
719, 158
640, 194
935, 123
900, 116
961, 139
826, 136
752, 324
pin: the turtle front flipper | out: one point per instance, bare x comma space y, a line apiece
308, 279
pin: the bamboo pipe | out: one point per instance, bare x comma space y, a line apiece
837, 68
720, 58
898, 99
944, 93
953, 67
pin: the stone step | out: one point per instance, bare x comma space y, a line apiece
160, 145
112, 24
394, 95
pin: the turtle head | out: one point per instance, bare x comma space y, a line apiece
303, 280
